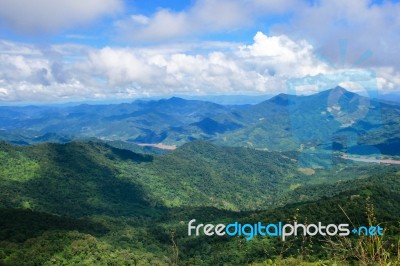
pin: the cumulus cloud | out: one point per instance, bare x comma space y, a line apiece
43, 16
70, 72
344, 30
118, 66
262, 66
281, 56
29, 73
203, 16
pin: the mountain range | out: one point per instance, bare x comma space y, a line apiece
92, 185
335, 119
102, 179
93, 204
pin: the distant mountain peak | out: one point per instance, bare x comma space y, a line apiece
175, 99
281, 95
281, 99
341, 90
337, 91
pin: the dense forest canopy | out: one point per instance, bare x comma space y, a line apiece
61, 201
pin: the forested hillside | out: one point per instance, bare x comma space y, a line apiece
335, 119
98, 179
92, 203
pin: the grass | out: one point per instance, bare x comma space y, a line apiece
366, 250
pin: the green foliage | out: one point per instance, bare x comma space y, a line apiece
283, 123
17, 167
95, 178
92, 204
75, 179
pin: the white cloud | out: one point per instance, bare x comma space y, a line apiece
359, 26
140, 19
119, 66
260, 67
42, 16
70, 72
280, 55
203, 16
388, 79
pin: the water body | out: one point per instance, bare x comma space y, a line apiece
371, 160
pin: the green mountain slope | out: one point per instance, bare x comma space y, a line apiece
335, 119
74, 179
95, 178
80, 179
90, 203
29, 238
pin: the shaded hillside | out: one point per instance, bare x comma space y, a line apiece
79, 179
74, 179
48, 239
334, 119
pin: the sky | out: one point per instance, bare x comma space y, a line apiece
61, 51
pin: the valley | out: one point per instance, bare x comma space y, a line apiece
91, 198
282, 123
199, 133
117, 184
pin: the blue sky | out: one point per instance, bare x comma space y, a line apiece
52, 51
102, 26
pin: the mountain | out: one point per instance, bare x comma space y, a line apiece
35, 238
335, 119
393, 97
230, 99
211, 127
140, 121
77, 189
90, 203
98, 179
78, 179
72, 179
